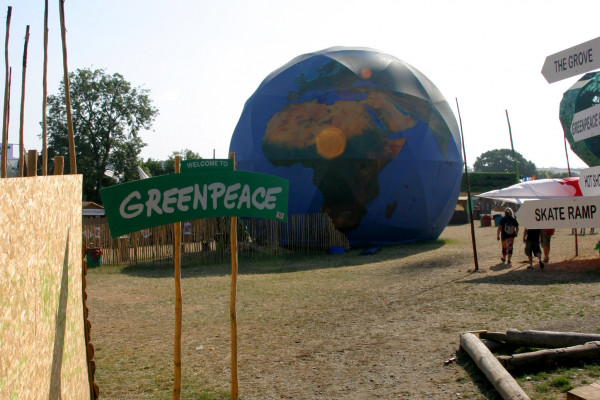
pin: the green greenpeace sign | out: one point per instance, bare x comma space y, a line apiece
165, 199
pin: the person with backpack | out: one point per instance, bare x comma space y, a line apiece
508, 229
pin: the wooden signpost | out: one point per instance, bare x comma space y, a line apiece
198, 189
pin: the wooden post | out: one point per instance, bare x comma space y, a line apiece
232, 312
3, 158
511, 146
504, 383
178, 301
59, 163
72, 158
45, 95
475, 259
32, 163
21, 144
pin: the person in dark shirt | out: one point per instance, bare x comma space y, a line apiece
508, 228
531, 238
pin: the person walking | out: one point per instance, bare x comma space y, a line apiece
545, 243
508, 229
531, 238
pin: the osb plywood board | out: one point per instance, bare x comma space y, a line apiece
42, 340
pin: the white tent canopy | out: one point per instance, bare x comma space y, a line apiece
536, 190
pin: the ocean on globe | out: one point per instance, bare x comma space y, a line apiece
361, 136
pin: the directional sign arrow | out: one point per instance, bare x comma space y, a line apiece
573, 61
574, 212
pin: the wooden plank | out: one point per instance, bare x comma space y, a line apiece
588, 392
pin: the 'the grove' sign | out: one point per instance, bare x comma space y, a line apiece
136, 205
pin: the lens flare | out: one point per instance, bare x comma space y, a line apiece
365, 73
331, 142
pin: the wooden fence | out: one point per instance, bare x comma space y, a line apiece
208, 239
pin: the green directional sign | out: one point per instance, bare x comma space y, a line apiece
165, 199
204, 165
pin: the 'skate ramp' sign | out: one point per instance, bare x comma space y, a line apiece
165, 199
574, 212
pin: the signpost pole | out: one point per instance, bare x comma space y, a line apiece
469, 207
232, 314
178, 301
511, 146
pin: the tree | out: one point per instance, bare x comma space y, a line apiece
156, 167
108, 115
502, 160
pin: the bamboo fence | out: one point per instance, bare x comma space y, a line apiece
207, 240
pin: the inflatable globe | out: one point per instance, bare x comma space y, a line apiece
361, 136
585, 93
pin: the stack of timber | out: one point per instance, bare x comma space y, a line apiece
558, 347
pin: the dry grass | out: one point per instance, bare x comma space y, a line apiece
338, 326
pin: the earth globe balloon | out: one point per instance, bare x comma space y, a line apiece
584, 94
361, 136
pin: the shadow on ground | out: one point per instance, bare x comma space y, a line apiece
563, 272
283, 264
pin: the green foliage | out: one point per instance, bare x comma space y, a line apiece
502, 160
108, 115
485, 181
156, 167
549, 174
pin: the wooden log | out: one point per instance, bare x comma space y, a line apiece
546, 339
504, 383
495, 336
588, 351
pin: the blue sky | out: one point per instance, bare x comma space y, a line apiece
202, 60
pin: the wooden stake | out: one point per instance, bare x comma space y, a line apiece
178, 301
32, 163
63, 31
504, 383
21, 144
59, 162
475, 259
511, 146
3, 158
232, 312
45, 95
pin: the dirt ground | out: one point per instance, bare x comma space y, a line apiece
375, 327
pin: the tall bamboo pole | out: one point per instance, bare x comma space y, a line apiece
511, 146
569, 169
63, 31
3, 159
232, 312
178, 301
45, 95
21, 144
462, 139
